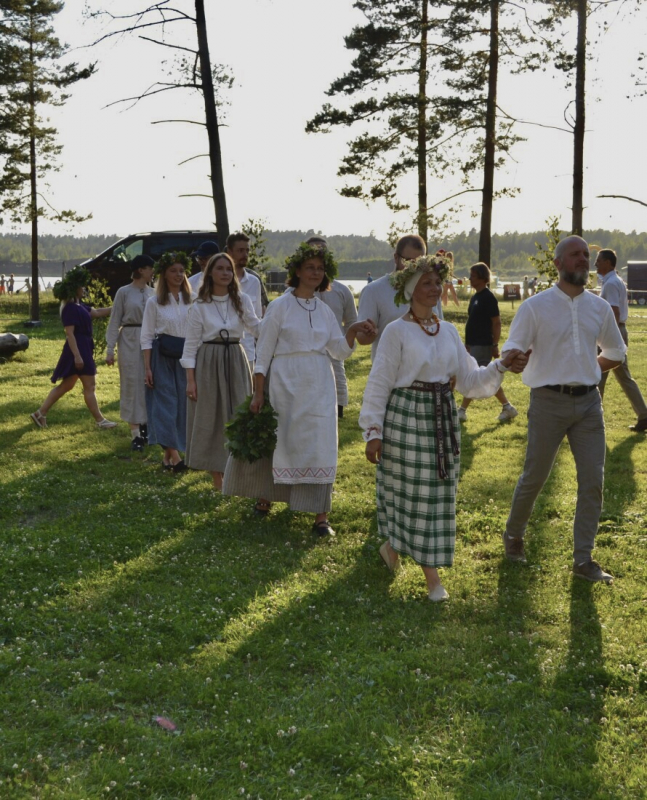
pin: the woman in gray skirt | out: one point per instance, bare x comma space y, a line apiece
217, 370
124, 333
411, 424
162, 341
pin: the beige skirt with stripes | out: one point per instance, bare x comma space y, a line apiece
255, 480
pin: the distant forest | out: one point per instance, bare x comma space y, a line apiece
357, 255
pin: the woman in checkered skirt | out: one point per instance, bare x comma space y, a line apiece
411, 424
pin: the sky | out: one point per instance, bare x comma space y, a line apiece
284, 54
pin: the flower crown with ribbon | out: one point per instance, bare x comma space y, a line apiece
305, 251
173, 257
441, 263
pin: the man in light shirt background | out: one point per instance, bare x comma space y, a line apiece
377, 300
614, 292
250, 284
564, 327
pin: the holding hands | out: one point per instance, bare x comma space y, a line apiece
363, 330
516, 360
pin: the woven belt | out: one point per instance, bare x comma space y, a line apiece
223, 338
131, 325
573, 391
442, 395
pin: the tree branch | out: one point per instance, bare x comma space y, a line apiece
149, 93
188, 121
166, 44
624, 197
186, 160
527, 122
452, 196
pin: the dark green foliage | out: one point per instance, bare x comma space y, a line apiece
98, 297
250, 436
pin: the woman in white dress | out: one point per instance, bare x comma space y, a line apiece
218, 374
162, 342
297, 336
410, 421
124, 333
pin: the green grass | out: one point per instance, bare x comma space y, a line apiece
297, 668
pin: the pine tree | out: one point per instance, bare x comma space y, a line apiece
32, 77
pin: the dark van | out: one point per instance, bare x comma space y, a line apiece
113, 266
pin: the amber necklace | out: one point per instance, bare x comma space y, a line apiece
422, 322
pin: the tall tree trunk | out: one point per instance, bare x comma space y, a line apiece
422, 124
213, 132
35, 287
577, 224
485, 238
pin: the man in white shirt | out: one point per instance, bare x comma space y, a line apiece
250, 284
563, 327
342, 303
377, 300
614, 292
202, 256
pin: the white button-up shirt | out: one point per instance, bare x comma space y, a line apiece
614, 292
564, 334
251, 286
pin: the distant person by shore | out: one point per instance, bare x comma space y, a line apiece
369, 278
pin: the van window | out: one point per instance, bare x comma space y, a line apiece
126, 252
187, 244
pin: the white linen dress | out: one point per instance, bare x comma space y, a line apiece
297, 339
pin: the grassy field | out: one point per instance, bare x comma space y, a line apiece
295, 668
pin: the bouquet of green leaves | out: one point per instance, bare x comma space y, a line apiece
251, 437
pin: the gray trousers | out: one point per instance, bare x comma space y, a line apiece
341, 384
551, 417
627, 383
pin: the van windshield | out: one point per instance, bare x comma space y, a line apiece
126, 252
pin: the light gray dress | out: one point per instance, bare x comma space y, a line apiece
124, 330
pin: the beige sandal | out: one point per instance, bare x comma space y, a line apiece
40, 420
391, 563
105, 424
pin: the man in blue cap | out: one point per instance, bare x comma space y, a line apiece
202, 256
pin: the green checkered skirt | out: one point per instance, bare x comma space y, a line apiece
416, 510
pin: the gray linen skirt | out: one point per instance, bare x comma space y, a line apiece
223, 381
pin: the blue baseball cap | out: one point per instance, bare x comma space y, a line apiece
207, 249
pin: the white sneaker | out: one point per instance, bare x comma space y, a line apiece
462, 414
438, 594
507, 412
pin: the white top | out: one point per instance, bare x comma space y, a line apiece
564, 335
127, 309
251, 286
171, 319
377, 302
614, 292
341, 302
407, 354
208, 320
195, 281
289, 328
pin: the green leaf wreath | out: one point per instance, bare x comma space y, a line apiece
251, 437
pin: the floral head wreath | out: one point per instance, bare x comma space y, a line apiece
305, 251
174, 257
65, 289
399, 280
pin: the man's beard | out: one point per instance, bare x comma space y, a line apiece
578, 278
